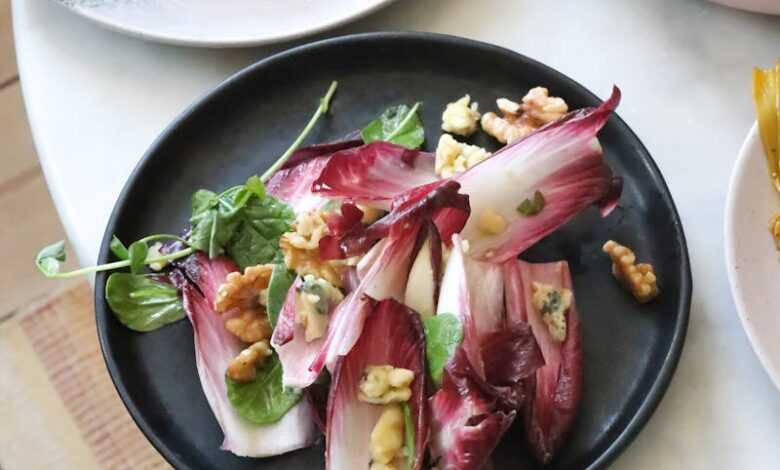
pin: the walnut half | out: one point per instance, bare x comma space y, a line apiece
639, 279
246, 292
520, 119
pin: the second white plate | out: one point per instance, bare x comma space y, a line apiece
221, 23
752, 261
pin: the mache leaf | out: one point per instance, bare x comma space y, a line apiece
398, 124
141, 303
443, 334
264, 400
281, 280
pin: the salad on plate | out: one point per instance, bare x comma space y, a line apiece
370, 292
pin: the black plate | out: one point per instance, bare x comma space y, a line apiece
631, 351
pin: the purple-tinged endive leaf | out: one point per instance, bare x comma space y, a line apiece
466, 424
394, 336
555, 390
562, 161
199, 278
473, 291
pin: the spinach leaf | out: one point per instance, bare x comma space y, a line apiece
443, 334
137, 254
141, 303
409, 437
255, 238
281, 280
118, 248
50, 257
264, 400
398, 124
243, 222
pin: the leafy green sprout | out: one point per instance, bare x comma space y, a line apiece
51, 257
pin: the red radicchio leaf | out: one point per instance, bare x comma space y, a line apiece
556, 388
394, 336
562, 160
198, 278
403, 216
292, 184
375, 173
466, 425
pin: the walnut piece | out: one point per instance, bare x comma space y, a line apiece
250, 326
385, 384
387, 438
301, 248
520, 119
247, 293
460, 117
639, 279
243, 368
453, 157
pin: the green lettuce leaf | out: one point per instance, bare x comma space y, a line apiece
264, 400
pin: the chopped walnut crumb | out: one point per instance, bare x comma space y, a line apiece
301, 248
461, 117
639, 279
386, 440
520, 119
250, 325
243, 368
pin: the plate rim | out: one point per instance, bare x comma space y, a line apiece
655, 392
192, 41
729, 237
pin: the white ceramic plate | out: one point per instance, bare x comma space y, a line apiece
221, 23
752, 261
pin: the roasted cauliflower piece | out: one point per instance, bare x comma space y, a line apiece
520, 119
387, 438
301, 248
453, 157
243, 368
553, 304
461, 117
386, 384
639, 279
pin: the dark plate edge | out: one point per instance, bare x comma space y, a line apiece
652, 398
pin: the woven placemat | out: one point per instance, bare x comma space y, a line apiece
58, 407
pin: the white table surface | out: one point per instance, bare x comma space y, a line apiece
97, 99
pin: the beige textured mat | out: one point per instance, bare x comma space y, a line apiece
58, 407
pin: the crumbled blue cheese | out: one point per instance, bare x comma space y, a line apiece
553, 304
461, 117
312, 304
453, 157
